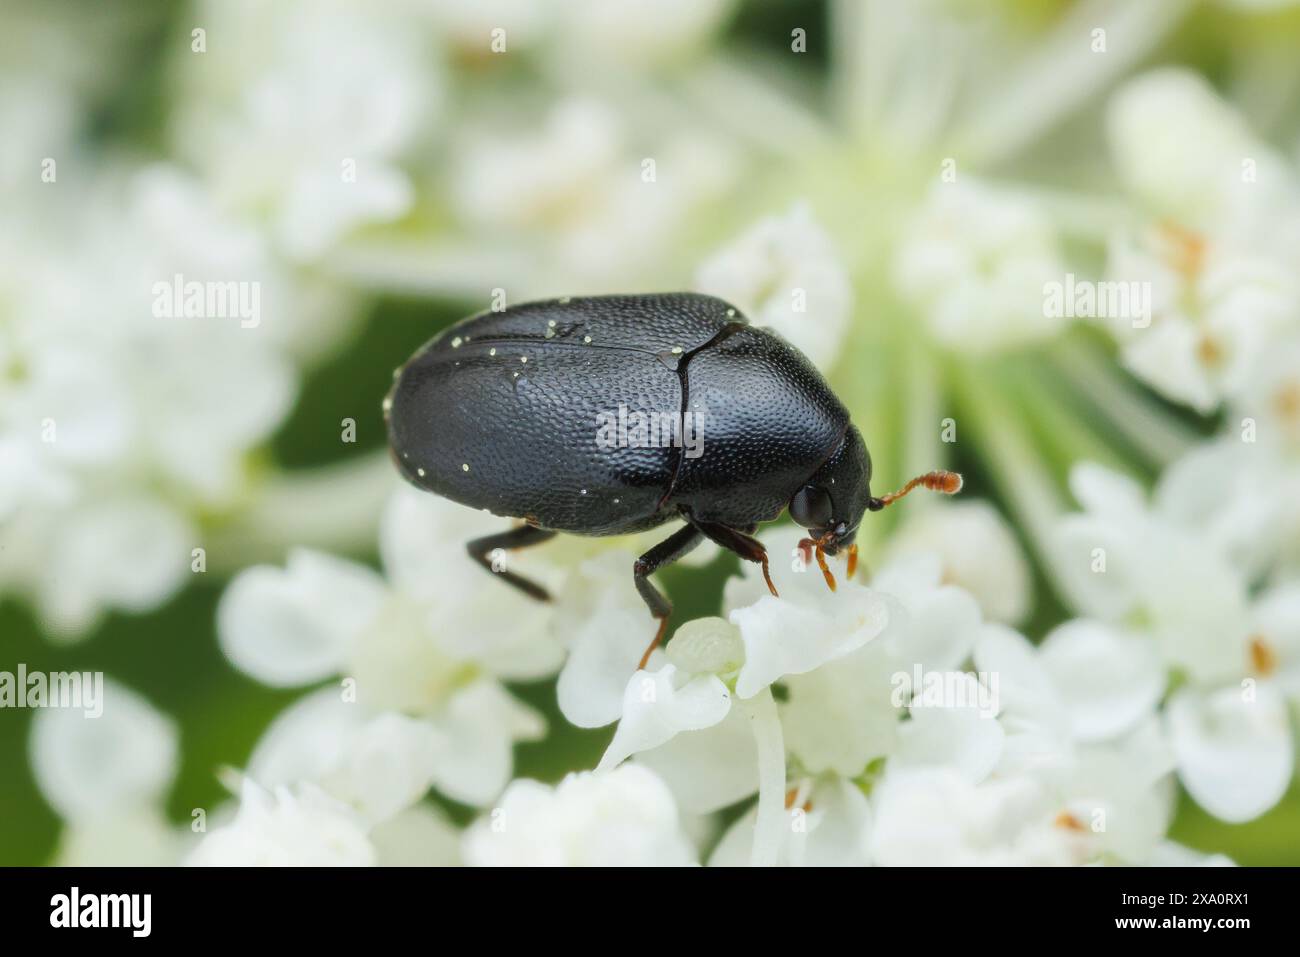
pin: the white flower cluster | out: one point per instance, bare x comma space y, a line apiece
891, 724
908, 729
108, 778
130, 406
120, 425
974, 261
1218, 239
904, 719
297, 132
1198, 588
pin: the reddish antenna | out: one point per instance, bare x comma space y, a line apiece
949, 483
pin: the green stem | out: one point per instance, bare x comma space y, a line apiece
1012, 460
1154, 432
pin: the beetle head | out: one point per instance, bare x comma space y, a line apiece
831, 503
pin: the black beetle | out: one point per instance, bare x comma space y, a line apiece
505, 410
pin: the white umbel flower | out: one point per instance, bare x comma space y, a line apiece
1123, 560
108, 777
623, 818
939, 817
974, 260
420, 655
784, 273
582, 193
122, 423
1218, 253
1234, 748
978, 551
303, 828
87, 767
310, 141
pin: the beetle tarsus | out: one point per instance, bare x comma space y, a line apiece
812, 546
767, 577
817, 546
658, 640
741, 542
826, 569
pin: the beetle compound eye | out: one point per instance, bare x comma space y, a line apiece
811, 507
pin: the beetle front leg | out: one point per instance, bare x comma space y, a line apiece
665, 553
481, 549
740, 542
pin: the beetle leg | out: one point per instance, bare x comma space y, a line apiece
481, 549
744, 545
812, 544
665, 553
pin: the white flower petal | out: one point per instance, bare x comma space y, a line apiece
973, 259
294, 626
842, 827
978, 551
1107, 681
964, 737
91, 767
937, 817
377, 764
1107, 493
1197, 603
654, 711
1172, 854
135, 837
1098, 564
842, 715
783, 638
1148, 122
1276, 627
1024, 684
937, 624
1166, 356
475, 756
1234, 755
625, 817
604, 653
305, 828
1228, 490
420, 836
128, 553
1124, 792
708, 769
833, 832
